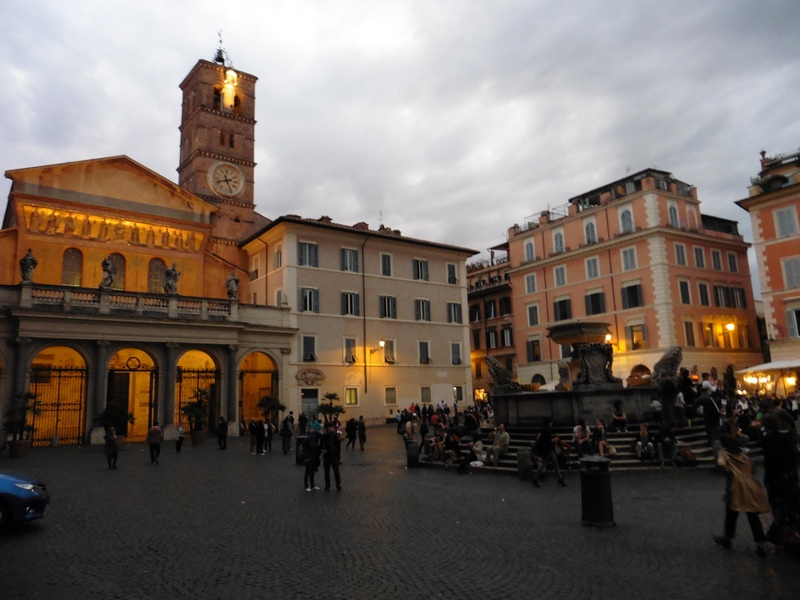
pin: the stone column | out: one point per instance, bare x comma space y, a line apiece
231, 385
21, 352
169, 384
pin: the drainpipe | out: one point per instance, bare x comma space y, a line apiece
364, 310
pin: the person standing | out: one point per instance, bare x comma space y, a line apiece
350, 431
261, 436
286, 434
742, 494
311, 457
331, 453
179, 440
669, 394
222, 434
545, 448
362, 432
155, 436
269, 429
110, 448
783, 486
252, 429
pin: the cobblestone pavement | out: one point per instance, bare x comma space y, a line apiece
225, 524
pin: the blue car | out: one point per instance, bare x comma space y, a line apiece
22, 497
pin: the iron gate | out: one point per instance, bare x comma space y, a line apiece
188, 381
60, 402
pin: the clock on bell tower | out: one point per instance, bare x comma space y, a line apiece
218, 132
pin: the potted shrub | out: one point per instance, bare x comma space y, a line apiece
196, 412
270, 407
16, 423
114, 416
331, 411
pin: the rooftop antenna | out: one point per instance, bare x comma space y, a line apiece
380, 217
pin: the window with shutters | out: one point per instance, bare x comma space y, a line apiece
474, 313
680, 255
307, 254
558, 241
683, 288
386, 265
700, 258
628, 259
350, 356
388, 352
635, 337
533, 350
716, 260
348, 259
506, 337
722, 296
455, 353
560, 275
309, 348
420, 269
592, 268
530, 254
673, 216
530, 283
453, 312
562, 309
350, 304
590, 232
451, 273
387, 307
632, 296
533, 314
424, 352
491, 338
626, 221
791, 272
505, 306
702, 289
490, 309
595, 303
688, 333
476, 339
738, 297
733, 262
351, 396
309, 300
785, 221
793, 322
422, 309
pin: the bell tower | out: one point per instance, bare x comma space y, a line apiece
218, 142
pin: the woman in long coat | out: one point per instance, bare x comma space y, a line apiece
742, 494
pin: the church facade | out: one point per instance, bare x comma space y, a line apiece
120, 289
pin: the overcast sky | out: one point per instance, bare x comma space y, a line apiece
450, 120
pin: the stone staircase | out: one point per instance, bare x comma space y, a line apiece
693, 437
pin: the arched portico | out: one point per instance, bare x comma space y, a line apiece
258, 377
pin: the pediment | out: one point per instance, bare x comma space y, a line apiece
116, 183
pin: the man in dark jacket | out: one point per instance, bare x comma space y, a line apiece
331, 446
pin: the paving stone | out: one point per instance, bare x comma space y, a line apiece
227, 524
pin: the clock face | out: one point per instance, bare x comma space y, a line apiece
226, 179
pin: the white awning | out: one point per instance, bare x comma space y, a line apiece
777, 365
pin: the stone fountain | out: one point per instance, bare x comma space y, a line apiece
592, 359
587, 388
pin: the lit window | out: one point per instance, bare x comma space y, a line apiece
351, 396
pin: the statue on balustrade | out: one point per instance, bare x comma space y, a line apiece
26, 265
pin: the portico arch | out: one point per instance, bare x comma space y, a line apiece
197, 370
132, 376
57, 377
258, 377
